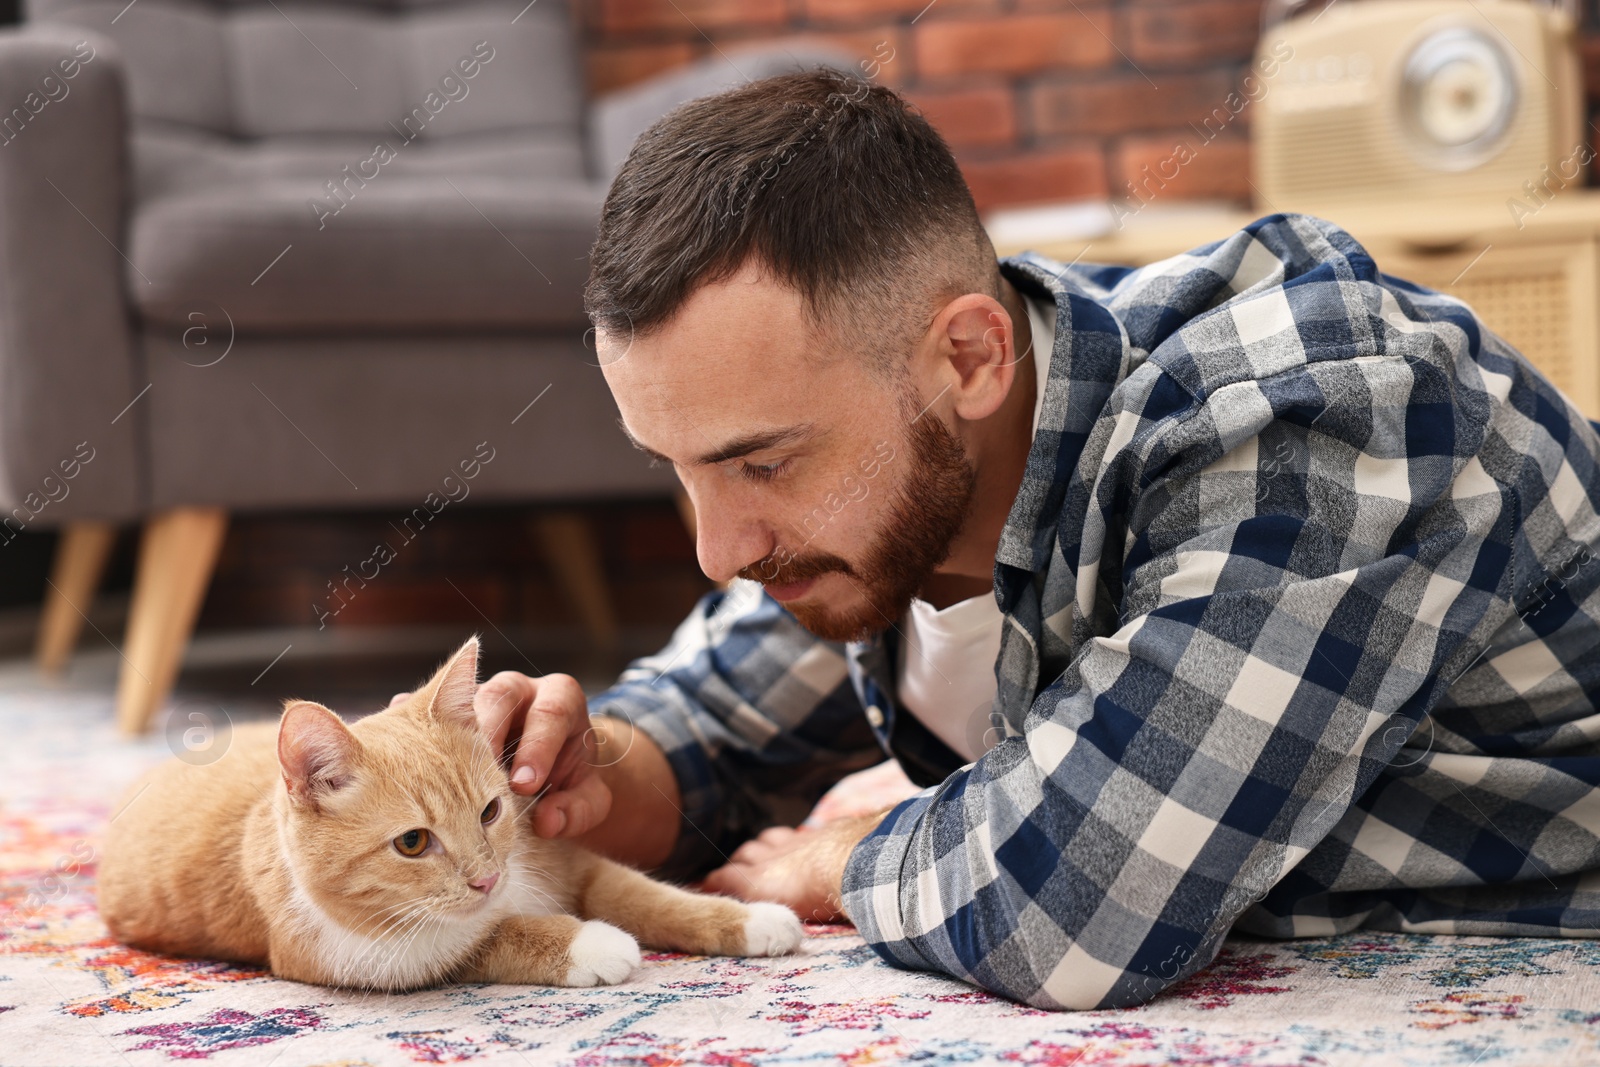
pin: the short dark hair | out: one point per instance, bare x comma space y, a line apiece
839, 187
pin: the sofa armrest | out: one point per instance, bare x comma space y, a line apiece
616, 119
68, 450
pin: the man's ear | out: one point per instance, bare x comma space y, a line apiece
450, 691
981, 351
317, 753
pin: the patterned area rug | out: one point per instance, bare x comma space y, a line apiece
71, 995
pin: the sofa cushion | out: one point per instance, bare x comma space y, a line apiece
286, 235
256, 69
389, 417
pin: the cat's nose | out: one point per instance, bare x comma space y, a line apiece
485, 883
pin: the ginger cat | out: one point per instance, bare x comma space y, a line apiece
390, 854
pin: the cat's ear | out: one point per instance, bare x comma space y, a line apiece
316, 752
452, 687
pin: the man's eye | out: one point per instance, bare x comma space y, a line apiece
758, 473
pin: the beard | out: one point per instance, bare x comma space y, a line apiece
926, 511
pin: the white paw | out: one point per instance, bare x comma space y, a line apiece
601, 954
771, 930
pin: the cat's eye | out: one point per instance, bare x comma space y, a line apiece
412, 842
490, 812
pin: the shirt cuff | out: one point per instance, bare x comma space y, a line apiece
694, 854
873, 876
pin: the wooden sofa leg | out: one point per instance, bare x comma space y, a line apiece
568, 542
75, 574
176, 558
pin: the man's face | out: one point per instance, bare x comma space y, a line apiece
834, 489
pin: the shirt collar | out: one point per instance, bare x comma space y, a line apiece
1084, 365
1041, 326
1086, 361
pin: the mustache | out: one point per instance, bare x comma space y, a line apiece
775, 569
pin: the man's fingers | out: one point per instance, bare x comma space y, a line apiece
499, 702
734, 880
752, 851
397, 698
576, 751
558, 707
719, 881
573, 811
728, 880
772, 841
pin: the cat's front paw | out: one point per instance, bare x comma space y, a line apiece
601, 954
771, 930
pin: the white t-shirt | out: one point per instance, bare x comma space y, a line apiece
945, 673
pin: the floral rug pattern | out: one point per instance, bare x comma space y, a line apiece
69, 994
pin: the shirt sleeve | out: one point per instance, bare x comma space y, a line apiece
756, 715
1283, 614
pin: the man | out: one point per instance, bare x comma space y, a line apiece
1250, 589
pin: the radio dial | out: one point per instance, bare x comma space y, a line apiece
1459, 94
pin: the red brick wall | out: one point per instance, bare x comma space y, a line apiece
1040, 99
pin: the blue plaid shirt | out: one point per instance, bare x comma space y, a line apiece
1301, 626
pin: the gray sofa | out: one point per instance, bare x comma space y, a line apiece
301, 255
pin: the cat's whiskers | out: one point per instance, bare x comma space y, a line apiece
361, 929
428, 918
531, 884
523, 854
523, 866
355, 968
378, 977
524, 850
388, 913
379, 920
401, 944
397, 946
432, 924
396, 929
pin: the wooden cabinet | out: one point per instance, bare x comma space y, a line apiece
1539, 297
1533, 278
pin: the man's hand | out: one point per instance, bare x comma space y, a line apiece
556, 746
801, 868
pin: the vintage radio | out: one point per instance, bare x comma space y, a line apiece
1408, 99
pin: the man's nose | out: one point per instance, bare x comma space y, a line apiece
726, 541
